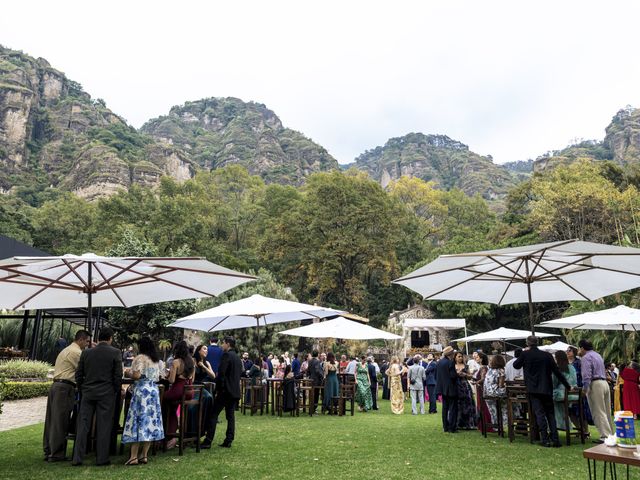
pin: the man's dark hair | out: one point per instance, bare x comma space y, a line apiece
213, 340
314, 353
230, 341
105, 334
586, 344
532, 341
295, 355
517, 353
81, 335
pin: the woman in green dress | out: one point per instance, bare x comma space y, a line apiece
363, 386
558, 390
331, 384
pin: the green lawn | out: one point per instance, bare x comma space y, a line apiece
374, 445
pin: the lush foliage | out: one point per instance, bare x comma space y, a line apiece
15, 369
336, 241
23, 390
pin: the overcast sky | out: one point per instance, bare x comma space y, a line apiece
511, 79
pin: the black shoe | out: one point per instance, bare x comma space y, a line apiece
556, 444
206, 444
597, 441
545, 444
104, 464
57, 459
76, 464
225, 445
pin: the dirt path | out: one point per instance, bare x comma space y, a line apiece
19, 413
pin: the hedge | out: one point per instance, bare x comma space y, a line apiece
24, 369
22, 390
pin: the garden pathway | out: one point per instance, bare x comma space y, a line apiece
19, 413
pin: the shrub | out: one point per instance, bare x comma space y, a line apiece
22, 390
24, 369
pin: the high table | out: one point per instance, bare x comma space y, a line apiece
611, 456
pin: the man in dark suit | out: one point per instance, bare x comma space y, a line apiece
214, 354
537, 367
98, 378
446, 386
227, 392
430, 369
373, 375
316, 375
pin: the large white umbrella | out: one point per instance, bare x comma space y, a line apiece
554, 347
87, 280
547, 272
253, 311
502, 334
618, 318
340, 328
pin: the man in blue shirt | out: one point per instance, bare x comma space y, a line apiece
214, 354
295, 366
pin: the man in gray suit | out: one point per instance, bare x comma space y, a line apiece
416, 378
98, 378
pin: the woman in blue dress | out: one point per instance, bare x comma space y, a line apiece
331, 384
144, 419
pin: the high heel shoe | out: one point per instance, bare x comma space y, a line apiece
143, 460
131, 462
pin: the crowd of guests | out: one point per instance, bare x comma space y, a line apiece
549, 379
95, 376
470, 389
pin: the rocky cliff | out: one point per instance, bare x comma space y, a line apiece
436, 157
215, 132
52, 133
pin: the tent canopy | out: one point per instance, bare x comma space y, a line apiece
340, 328
618, 318
434, 323
502, 334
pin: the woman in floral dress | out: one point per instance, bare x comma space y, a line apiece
363, 387
144, 419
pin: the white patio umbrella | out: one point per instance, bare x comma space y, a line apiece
618, 318
91, 280
547, 272
340, 328
253, 311
502, 334
555, 347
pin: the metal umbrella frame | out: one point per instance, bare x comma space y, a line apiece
547, 272
90, 280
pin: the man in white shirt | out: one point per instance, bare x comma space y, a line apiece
511, 373
351, 368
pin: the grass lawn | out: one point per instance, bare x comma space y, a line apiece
374, 445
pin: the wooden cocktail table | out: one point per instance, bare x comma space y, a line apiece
611, 456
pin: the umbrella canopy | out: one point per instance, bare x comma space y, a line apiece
253, 311
547, 272
340, 328
88, 280
618, 318
502, 334
555, 347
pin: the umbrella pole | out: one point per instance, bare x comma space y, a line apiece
530, 309
258, 333
89, 307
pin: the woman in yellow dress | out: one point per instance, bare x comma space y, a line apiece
394, 373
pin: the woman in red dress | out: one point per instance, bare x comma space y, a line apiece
630, 392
